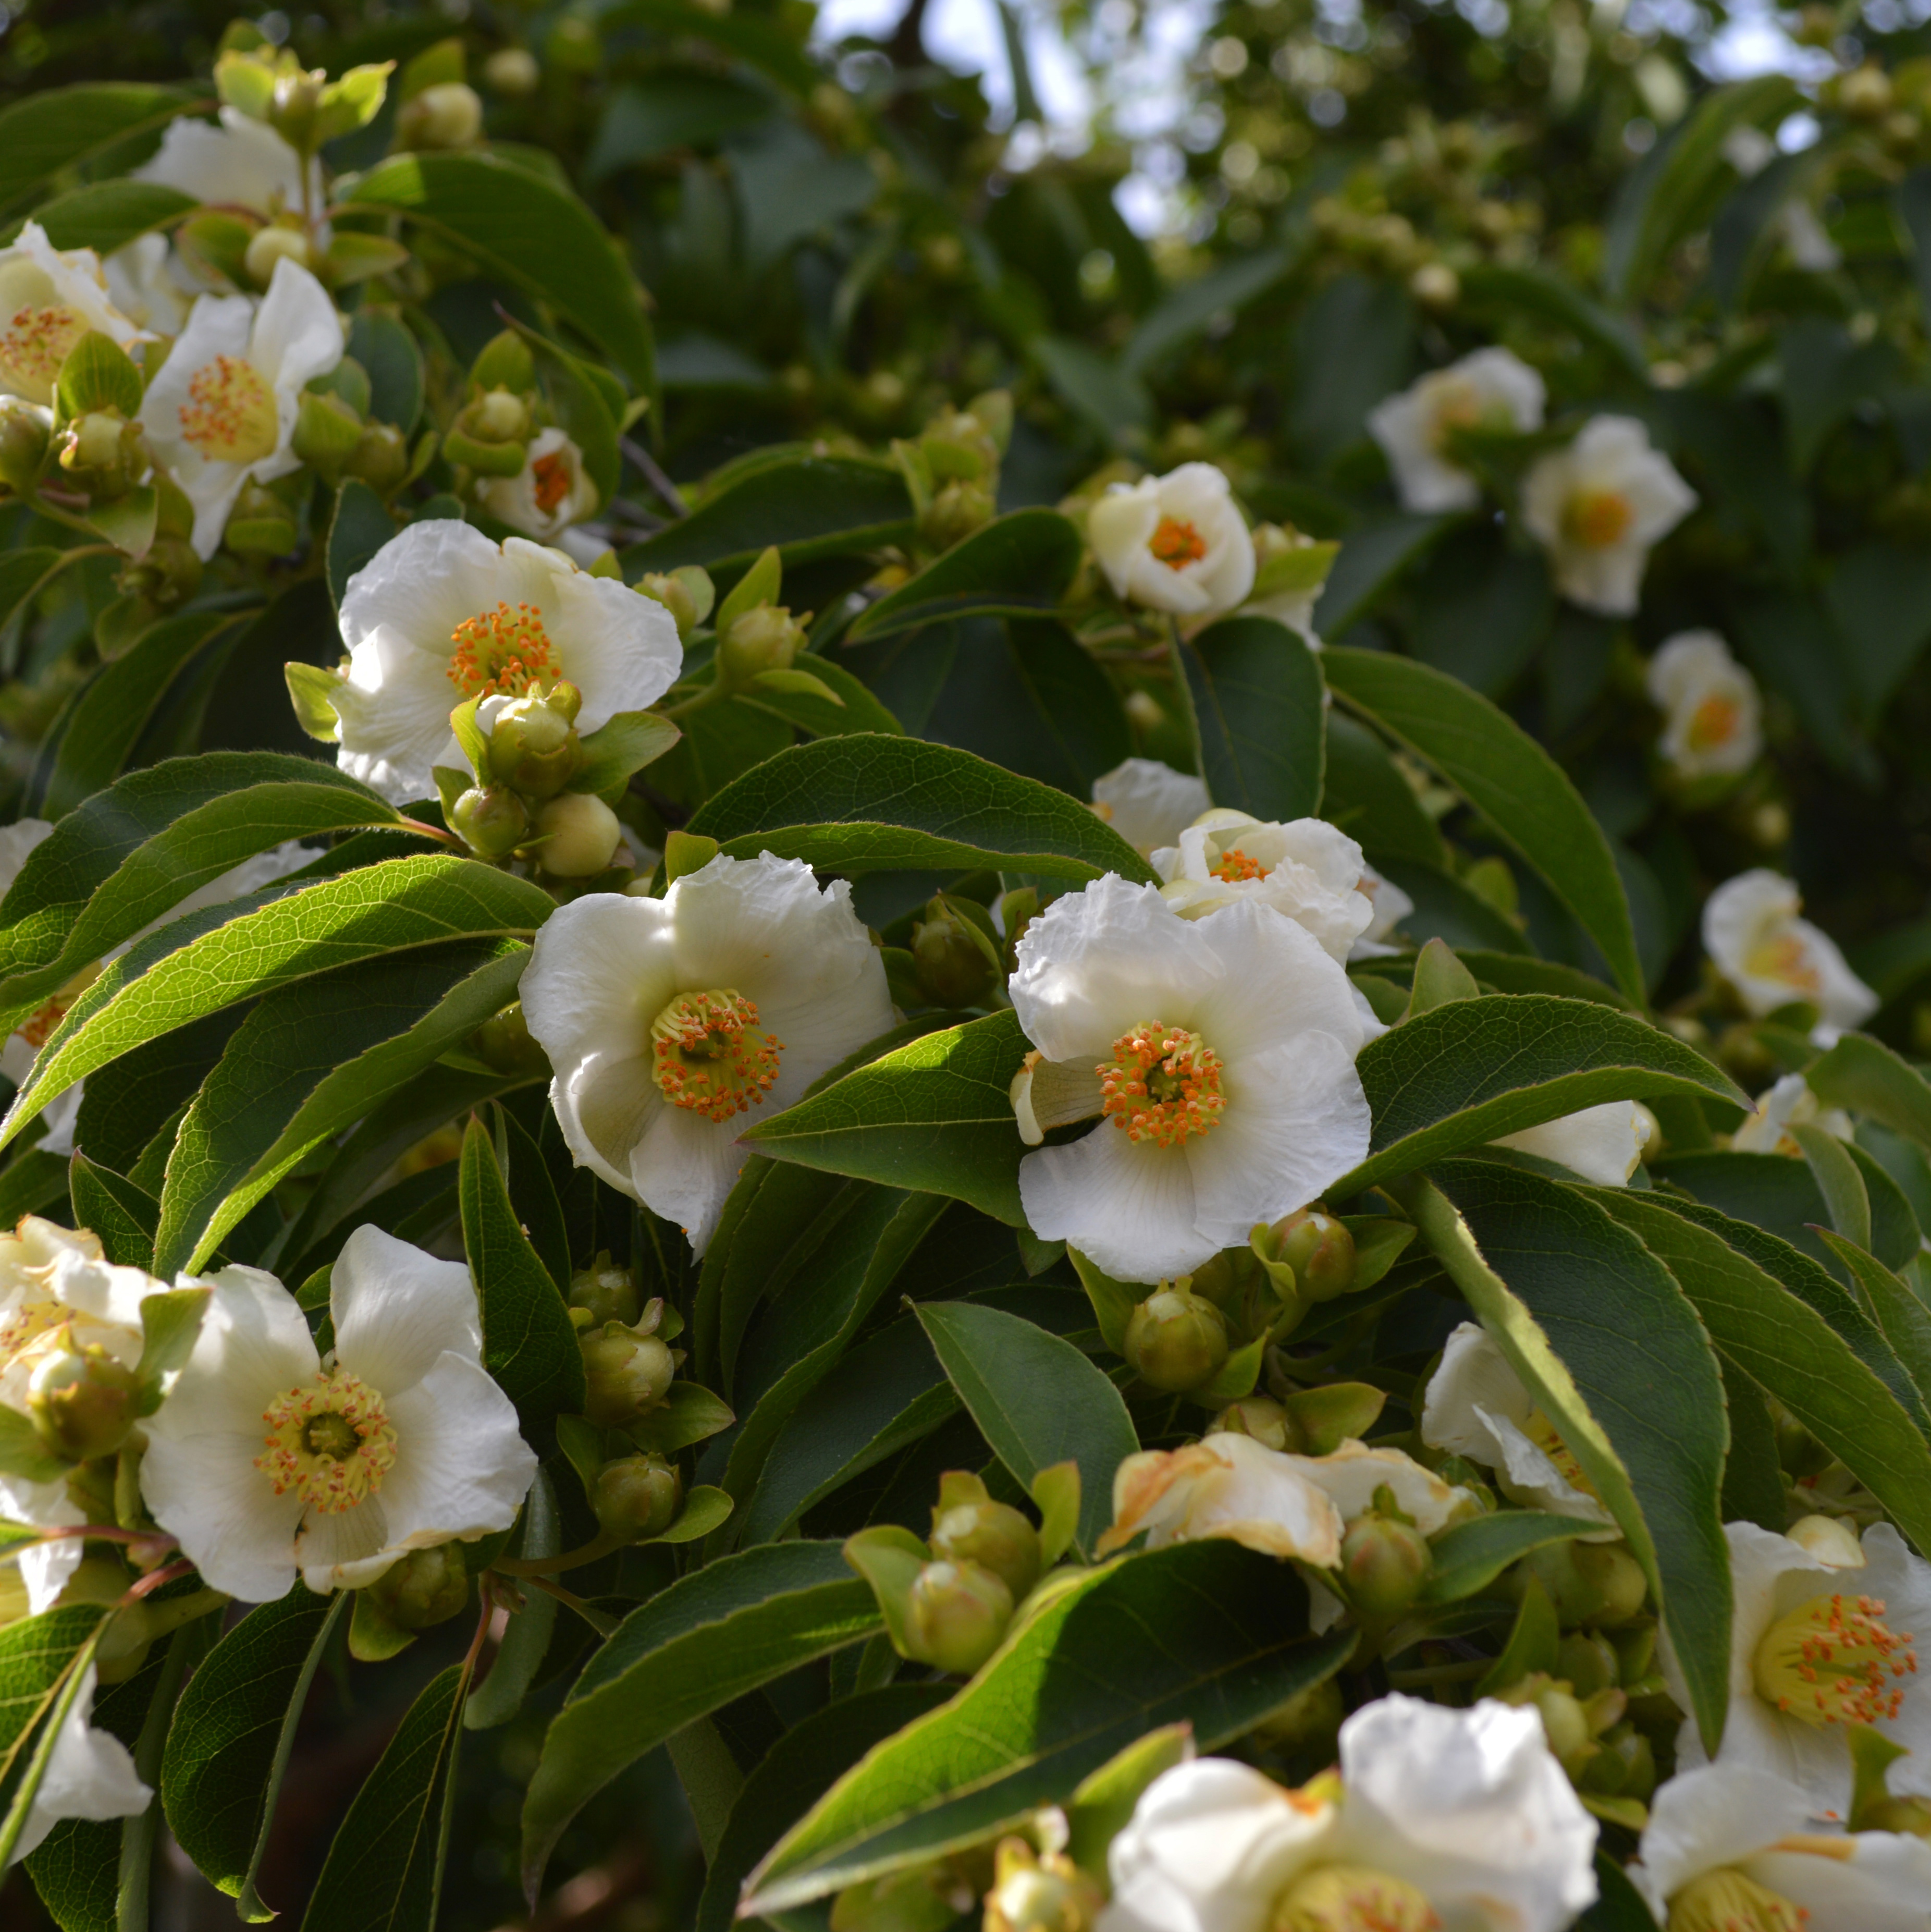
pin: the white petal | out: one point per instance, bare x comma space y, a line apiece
462, 1469
297, 335
254, 1345
684, 1167
1230, 1486
1702, 1820
89, 1775
1474, 1376
1602, 1144
602, 968
606, 1107
393, 713
1150, 804
621, 651
1902, 1582
398, 1310
1349, 1476
205, 1490
344, 1549
1882, 1888
422, 583
1129, 1205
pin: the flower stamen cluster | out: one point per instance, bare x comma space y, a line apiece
1162, 1085
1597, 518
1834, 1660
552, 478
1234, 864
1353, 1898
708, 1056
229, 415
1713, 722
1177, 544
1785, 958
34, 345
504, 649
331, 1443
1543, 1433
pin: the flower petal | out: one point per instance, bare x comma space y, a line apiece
462, 1468
398, 1310
205, 1490
1129, 1205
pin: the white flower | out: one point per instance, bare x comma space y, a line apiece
1755, 938
222, 410
1221, 1053
1391, 906
1475, 1406
49, 298
1785, 1716
89, 1775
1603, 1143
242, 164
549, 493
1490, 389
667, 1019
1598, 508
1175, 543
1305, 869
56, 1285
1730, 1845
144, 281
268, 1460
1150, 804
440, 614
1789, 1103
1446, 1821
1713, 717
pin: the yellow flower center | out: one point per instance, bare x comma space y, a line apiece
25, 1323
1597, 518
1727, 1901
1714, 722
501, 650
330, 1443
1177, 544
229, 415
1353, 1898
708, 1054
1235, 865
1834, 1660
1787, 959
551, 475
1543, 1433
33, 345
1162, 1085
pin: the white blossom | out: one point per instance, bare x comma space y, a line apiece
667, 1021
1712, 714
144, 281
269, 1460
49, 298
1305, 869
1789, 1103
1490, 389
1772, 957
549, 493
1176, 543
1219, 1053
89, 1775
1599, 506
1149, 804
242, 164
1603, 1143
1391, 906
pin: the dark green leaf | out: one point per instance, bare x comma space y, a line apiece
1017, 565
60, 127
360, 527
1369, 799
1471, 1555
1373, 556
124, 1216
1256, 691
1865, 1076
814, 507
856, 709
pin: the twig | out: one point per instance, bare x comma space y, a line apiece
647, 467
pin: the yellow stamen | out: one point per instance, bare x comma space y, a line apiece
1597, 518
1234, 865
1353, 1898
331, 1443
229, 415
1714, 722
501, 650
1177, 544
552, 475
33, 344
1834, 1660
1162, 1085
1786, 959
1543, 1433
1727, 1901
707, 1054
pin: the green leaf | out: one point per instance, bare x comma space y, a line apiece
1605, 1340
816, 506
170, 1321
528, 1345
97, 374
1185, 311
384, 1868
1037, 1401
711, 1636
124, 1216
42, 1662
1906, 1320
60, 127
1508, 777
1256, 691
755, 38
935, 1114
1838, 1180
867, 802
1464, 1074
1109, 398
359, 528
850, 707
1017, 565
24, 574
623, 745
1516, 291
1207, 1632
1865, 1076
229, 953
1470, 1556
526, 1638
232, 1734
678, 107
519, 225
23, 1454
1769, 1190
380, 341
1366, 796
307, 1062
1373, 557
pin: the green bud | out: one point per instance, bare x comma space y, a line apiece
1622, 1765
490, 819
959, 509
425, 1588
83, 1401
512, 72
678, 595
957, 1614
1326, 1417
1595, 1584
951, 964
1799, 1453
1261, 1418
534, 747
169, 573
24, 433
1588, 1663
969, 1527
327, 432
1033, 1893
1225, 1279
636, 1496
626, 1374
957, 447
764, 638
916, 1898
503, 1041
1317, 1247
1383, 1564
604, 1291
579, 834
381, 458
126, 1637
449, 115
1308, 1719
260, 524
102, 452
272, 245
1176, 1340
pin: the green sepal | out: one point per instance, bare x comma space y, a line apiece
97, 374
373, 1637
312, 690
760, 584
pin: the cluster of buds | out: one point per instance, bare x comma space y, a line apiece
334, 437
303, 106
508, 454
1039, 1892
1306, 1422
951, 468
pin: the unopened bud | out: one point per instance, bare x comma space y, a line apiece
83, 1401
1865, 93
956, 1614
1320, 1250
327, 431
490, 819
425, 1588
1383, 1564
449, 115
169, 574
636, 1496
534, 747
677, 596
764, 638
1308, 1719
260, 524
1587, 1663
951, 966
1036, 1893
959, 509
1435, 285
625, 1374
1176, 1340
1596, 1584
605, 1292
957, 447
512, 72
1261, 1418
969, 1527
579, 834
1565, 1724
25, 429
101, 451
503, 1041
274, 243
381, 457
1326, 1418
1830, 1539
500, 415
491, 435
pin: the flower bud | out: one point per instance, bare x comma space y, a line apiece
83, 1401
626, 1374
274, 243
968, 1528
605, 1292
1865, 93
957, 1613
425, 1588
512, 72
915, 1898
498, 415
491, 434
490, 819
958, 510
951, 965
449, 115
503, 1041
533, 746
689, 604
25, 429
327, 432
958, 447
1308, 1721
764, 638
1261, 1418
636, 1496
101, 450
1176, 1340
579, 834
1588, 1663
1318, 1248
381, 458
1032, 1893
1436, 286
260, 524
1326, 1418
169, 573
1383, 1564
1830, 1539
1596, 1584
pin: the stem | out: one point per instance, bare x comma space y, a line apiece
713, 693
159, 1580
110, 1533
648, 468
416, 826
179, 1610
602, 1624
602, 1544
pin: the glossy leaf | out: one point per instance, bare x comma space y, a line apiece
1258, 701
1471, 1555
813, 507
1865, 1076
57, 128
1017, 565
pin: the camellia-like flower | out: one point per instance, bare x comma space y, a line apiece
1391, 906
1712, 714
1218, 1052
1443, 1821
89, 1775
1756, 939
1729, 1848
1176, 543
242, 163
549, 493
49, 298
1603, 1143
221, 412
1305, 869
668, 1020
144, 281
270, 1459
1475, 1406
1490, 389
58, 1294
1821, 1638
1599, 506
1149, 804
1789, 1103
440, 614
